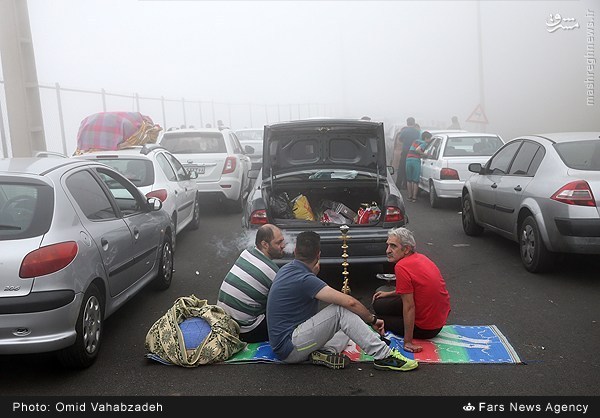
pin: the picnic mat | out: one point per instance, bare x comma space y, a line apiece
455, 344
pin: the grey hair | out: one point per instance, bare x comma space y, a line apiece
405, 236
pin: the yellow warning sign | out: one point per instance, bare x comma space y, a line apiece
478, 115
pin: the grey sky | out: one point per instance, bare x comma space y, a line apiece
388, 59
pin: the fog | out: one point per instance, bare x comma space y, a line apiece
385, 59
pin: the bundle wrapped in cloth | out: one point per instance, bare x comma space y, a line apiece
115, 130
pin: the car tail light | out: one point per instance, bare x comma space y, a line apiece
48, 259
448, 174
393, 214
575, 193
258, 217
160, 194
229, 166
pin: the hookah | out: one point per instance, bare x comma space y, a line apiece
344, 229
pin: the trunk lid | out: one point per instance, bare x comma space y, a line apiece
323, 144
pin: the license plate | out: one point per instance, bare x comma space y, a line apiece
198, 170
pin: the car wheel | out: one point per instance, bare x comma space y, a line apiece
165, 270
434, 200
89, 324
470, 227
237, 205
534, 255
195, 223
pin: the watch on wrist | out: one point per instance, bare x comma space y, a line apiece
374, 320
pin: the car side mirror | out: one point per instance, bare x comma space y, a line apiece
249, 149
475, 168
390, 169
192, 175
154, 203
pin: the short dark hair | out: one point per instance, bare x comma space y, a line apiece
308, 246
264, 233
410, 121
426, 135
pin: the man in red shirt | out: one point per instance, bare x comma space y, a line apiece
420, 305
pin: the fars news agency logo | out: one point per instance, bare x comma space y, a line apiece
468, 407
556, 22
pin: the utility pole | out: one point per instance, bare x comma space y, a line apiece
21, 87
481, 82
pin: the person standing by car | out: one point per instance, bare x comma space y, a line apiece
413, 164
402, 143
299, 331
420, 304
243, 293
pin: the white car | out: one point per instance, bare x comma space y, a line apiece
254, 138
219, 160
157, 173
444, 168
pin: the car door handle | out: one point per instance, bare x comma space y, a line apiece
104, 242
494, 186
136, 233
518, 188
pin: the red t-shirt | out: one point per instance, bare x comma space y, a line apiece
418, 275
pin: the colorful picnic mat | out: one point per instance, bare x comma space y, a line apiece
455, 344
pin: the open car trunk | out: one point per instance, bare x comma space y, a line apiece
326, 204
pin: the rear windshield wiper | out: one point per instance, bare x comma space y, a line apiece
10, 227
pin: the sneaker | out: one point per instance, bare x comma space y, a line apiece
395, 361
327, 359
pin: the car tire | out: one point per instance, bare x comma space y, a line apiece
236, 206
470, 227
88, 328
434, 200
534, 255
165, 270
195, 223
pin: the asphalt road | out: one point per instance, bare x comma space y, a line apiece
551, 320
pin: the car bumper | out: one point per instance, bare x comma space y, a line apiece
228, 188
40, 332
448, 188
364, 246
580, 236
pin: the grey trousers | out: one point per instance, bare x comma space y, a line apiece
331, 329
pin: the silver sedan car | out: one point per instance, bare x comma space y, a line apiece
540, 191
78, 240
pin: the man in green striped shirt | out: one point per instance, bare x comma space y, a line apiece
243, 293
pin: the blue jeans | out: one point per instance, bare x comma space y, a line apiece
331, 329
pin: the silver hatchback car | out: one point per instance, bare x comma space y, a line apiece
78, 241
540, 191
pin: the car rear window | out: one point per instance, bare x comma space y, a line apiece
204, 143
580, 155
139, 171
25, 209
472, 146
250, 135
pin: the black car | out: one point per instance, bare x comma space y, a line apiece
321, 174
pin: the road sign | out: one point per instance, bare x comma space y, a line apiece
478, 116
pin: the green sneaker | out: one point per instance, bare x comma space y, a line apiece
327, 359
395, 361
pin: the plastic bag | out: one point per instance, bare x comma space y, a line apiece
331, 216
302, 209
281, 207
369, 214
